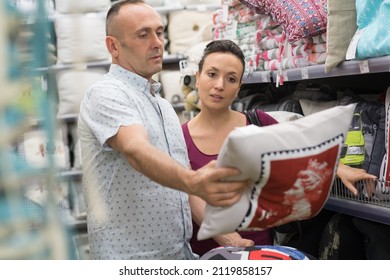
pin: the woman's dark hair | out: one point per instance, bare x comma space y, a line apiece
224, 46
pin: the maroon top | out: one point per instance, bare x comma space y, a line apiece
199, 159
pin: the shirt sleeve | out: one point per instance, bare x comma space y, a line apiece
107, 107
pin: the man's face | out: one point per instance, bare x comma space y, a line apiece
141, 40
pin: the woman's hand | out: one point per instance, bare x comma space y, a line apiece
350, 175
233, 239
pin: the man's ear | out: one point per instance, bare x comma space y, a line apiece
112, 45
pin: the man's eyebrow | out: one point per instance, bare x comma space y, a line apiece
146, 28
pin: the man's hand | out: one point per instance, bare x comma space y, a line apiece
209, 183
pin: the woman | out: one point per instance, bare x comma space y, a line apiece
218, 81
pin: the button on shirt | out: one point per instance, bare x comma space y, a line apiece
129, 215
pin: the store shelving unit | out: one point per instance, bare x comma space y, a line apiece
358, 71
346, 68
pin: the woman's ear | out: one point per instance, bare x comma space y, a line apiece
238, 90
197, 79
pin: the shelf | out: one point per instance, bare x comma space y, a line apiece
70, 173
346, 68
160, 9
168, 59
173, 58
343, 201
197, 7
178, 106
258, 77
366, 211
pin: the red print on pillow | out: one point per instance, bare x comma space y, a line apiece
296, 188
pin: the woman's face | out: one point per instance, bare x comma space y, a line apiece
219, 82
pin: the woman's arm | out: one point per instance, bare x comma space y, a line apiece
350, 175
198, 206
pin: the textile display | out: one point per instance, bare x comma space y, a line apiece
373, 33
264, 39
187, 28
293, 165
34, 148
284, 116
340, 13
84, 6
80, 38
301, 19
309, 107
38, 192
373, 117
171, 85
383, 189
70, 93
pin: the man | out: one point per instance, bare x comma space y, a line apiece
135, 163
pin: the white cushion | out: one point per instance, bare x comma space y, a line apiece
72, 85
81, 38
171, 85
340, 13
309, 107
284, 116
34, 148
293, 165
188, 28
84, 6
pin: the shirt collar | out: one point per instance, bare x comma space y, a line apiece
141, 82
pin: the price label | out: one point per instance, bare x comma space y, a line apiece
265, 77
363, 65
285, 76
225, 12
305, 73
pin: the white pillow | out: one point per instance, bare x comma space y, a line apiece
35, 150
310, 107
382, 191
284, 116
194, 55
280, 158
84, 6
188, 28
72, 85
81, 38
171, 85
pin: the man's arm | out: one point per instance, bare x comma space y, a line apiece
207, 182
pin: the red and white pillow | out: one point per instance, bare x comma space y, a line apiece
293, 165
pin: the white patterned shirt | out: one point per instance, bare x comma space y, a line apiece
129, 215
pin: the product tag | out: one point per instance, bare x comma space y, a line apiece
304, 73
351, 51
265, 77
363, 65
225, 11
231, 30
285, 76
